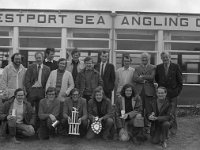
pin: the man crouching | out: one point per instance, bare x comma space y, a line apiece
17, 117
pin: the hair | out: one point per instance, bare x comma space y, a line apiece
18, 90
162, 87
88, 58
51, 89
74, 90
127, 57
16, 54
75, 51
126, 86
164, 53
146, 55
104, 52
96, 90
39, 53
48, 50
62, 59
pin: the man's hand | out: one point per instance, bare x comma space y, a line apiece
125, 116
52, 117
10, 117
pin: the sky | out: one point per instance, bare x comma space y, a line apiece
175, 6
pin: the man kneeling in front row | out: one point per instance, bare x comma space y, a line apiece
17, 117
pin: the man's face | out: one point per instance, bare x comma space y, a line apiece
20, 96
50, 56
75, 56
127, 62
104, 57
89, 65
39, 58
51, 95
161, 94
62, 65
99, 96
144, 60
165, 58
17, 60
75, 96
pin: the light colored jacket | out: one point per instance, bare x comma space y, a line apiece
12, 79
80, 66
67, 83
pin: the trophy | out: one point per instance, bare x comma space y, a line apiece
96, 126
74, 122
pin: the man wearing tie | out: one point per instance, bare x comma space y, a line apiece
35, 82
169, 75
107, 72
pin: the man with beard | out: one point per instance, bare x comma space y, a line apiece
13, 75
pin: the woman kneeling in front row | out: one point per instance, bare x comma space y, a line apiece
129, 120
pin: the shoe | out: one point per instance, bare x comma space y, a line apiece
15, 141
164, 144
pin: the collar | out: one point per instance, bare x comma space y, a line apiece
20, 67
73, 62
103, 63
40, 65
46, 60
125, 69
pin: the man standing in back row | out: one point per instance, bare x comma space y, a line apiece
48, 61
107, 72
169, 75
35, 82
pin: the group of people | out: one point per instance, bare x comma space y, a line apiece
48, 91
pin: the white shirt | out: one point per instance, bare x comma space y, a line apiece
124, 76
38, 82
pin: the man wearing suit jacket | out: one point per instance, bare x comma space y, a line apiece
169, 75
143, 78
35, 82
107, 72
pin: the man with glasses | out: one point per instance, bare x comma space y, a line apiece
78, 103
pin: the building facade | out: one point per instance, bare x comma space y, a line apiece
28, 31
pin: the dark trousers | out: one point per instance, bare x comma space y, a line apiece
107, 126
108, 94
174, 127
34, 97
161, 132
45, 130
146, 104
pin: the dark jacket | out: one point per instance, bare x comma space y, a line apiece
31, 76
52, 65
120, 105
45, 110
173, 81
28, 113
108, 76
106, 109
94, 81
81, 106
165, 114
